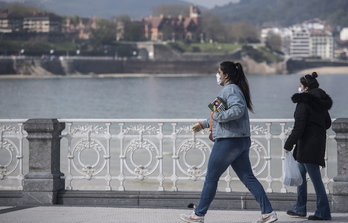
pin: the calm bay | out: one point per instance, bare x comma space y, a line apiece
152, 97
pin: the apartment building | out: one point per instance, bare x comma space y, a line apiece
42, 23
316, 43
299, 42
309, 39
321, 44
10, 22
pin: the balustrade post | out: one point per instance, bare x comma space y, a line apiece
42, 183
340, 185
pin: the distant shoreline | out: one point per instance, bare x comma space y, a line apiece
100, 75
319, 70
325, 70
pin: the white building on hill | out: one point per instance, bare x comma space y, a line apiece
321, 44
299, 42
344, 34
309, 39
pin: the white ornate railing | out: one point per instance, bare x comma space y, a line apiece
150, 154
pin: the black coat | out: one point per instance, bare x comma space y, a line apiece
312, 119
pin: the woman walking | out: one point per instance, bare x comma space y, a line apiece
312, 119
230, 128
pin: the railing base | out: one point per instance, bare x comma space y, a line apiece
181, 200
340, 196
10, 198
176, 200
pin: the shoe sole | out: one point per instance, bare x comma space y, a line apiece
273, 220
188, 221
296, 215
311, 218
269, 221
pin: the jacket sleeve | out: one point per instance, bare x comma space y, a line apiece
236, 107
299, 126
205, 123
327, 120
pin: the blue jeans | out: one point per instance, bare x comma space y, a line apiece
323, 207
234, 152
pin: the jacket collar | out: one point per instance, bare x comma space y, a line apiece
316, 98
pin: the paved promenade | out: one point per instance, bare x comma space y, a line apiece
68, 214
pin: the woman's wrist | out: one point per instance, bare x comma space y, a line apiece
212, 115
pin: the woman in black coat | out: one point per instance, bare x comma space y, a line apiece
312, 119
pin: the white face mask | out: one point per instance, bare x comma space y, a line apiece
218, 79
300, 90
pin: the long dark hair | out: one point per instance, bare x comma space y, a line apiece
310, 81
236, 75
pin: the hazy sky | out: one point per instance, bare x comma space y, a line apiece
207, 3
211, 3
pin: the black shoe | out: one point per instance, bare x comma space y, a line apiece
315, 218
291, 213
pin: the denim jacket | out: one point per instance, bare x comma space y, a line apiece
234, 122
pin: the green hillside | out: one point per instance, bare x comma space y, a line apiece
284, 12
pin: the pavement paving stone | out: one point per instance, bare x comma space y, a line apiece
69, 214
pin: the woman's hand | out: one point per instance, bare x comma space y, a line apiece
197, 127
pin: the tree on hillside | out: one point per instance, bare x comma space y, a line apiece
104, 34
284, 12
340, 18
128, 30
171, 10
212, 27
274, 43
242, 32
75, 20
24, 10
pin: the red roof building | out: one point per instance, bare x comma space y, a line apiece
166, 28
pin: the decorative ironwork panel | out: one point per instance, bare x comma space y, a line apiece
12, 137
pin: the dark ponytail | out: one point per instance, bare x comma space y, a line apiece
236, 75
310, 81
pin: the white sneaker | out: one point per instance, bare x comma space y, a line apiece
192, 217
268, 218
